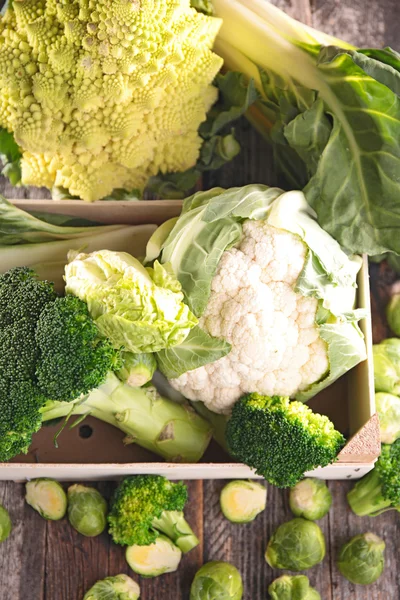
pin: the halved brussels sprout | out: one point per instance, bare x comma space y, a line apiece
47, 497
241, 501
156, 559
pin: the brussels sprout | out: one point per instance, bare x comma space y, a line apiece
47, 497
217, 581
310, 498
137, 369
119, 587
388, 409
296, 545
387, 366
5, 524
292, 587
156, 559
362, 560
87, 510
242, 501
393, 314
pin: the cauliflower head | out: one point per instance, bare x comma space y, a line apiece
276, 347
261, 275
104, 94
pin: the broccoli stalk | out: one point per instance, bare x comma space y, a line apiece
144, 505
379, 490
173, 524
173, 431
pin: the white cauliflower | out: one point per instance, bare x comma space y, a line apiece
276, 348
274, 294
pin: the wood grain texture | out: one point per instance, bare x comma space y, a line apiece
50, 561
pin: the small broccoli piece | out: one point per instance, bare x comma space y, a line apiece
119, 587
22, 299
281, 439
144, 505
379, 490
156, 559
47, 497
73, 359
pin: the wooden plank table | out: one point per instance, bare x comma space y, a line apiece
50, 561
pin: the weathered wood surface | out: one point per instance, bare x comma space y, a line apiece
50, 561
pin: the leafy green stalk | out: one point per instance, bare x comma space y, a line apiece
171, 430
332, 113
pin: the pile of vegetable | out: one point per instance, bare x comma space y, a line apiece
224, 321
243, 302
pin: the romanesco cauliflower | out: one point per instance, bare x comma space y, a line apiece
104, 94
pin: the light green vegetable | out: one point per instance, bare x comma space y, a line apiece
47, 497
217, 581
87, 510
225, 232
361, 560
156, 559
387, 366
171, 430
292, 587
393, 314
119, 587
81, 125
33, 242
332, 113
241, 501
138, 308
5, 524
137, 369
388, 409
296, 545
310, 498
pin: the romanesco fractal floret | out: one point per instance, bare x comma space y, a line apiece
104, 94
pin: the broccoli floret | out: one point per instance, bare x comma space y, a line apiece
143, 505
280, 439
22, 298
379, 490
73, 359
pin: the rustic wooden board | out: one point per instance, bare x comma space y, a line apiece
50, 561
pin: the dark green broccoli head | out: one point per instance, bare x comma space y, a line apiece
73, 359
379, 490
281, 439
22, 298
388, 470
137, 502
